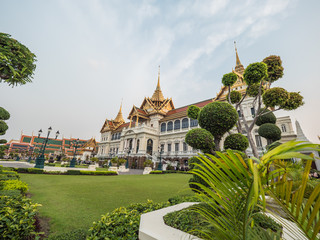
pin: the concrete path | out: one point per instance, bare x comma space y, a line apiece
132, 172
17, 164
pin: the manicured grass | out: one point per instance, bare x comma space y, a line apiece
73, 202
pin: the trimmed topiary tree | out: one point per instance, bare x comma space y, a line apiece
200, 139
235, 97
4, 115
270, 131
269, 117
193, 111
236, 141
259, 77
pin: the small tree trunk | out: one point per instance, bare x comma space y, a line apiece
217, 141
252, 145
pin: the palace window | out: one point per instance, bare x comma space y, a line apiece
185, 147
176, 147
170, 126
283, 128
193, 122
239, 113
253, 112
162, 148
258, 141
138, 142
176, 124
163, 127
185, 123
169, 147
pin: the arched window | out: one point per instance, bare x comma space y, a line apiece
283, 128
163, 127
138, 142
170, 126
193, 122
176, 124
185, 147
112, 136
185, 123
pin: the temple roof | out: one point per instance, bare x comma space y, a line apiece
157, 95
239, 67
119, 117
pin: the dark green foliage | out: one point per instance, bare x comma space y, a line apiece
157, 172
275, 97
266, 222
3, 141
180, 199
73, 172
200, 139
229, 79
79, 234
236, 141
122, 223
193, 111
3, 127
218, 118
4, 114
17, 63
275, 69
294, 101
105, 173
253, 90
17, 217
235, 97
273, 145
255, 72
35, 170
10, 193
192, 161
266, 118
270, 131
22, 170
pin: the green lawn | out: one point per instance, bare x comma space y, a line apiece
72, 202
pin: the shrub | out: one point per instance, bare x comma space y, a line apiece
8, 175
253, 90
22, 170
266, 222
106, 173
275, 97
200, 139
269, 117
274, 66
122, 161
255, 72
270, 131
156, 172
4, 114
17, 217
180, 199
193, 111
73, 172
235, 97
50, 164
147, 163
229, 79
294, 101
218, 118
35, 170
15, 185
122, 223
10, 193
192, 161
236, 141
79, 234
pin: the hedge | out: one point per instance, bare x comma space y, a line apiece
168, 171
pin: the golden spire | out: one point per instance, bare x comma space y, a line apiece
239, 67
157, 95
119, 117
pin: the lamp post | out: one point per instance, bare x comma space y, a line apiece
160, 163
75, 144
127, 150
40, 159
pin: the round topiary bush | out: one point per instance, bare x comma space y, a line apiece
229, 79
294, 101
270, 131
218, 118
3, 127
4, 114
200, 139
275, 97
253, 90
235, 97
193, 111
275, 69
266, 118
255, 72
236, 141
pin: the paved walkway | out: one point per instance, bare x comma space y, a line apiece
132, 172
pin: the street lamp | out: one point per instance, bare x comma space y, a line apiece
160, 163
75, 144
40, 159
127, 150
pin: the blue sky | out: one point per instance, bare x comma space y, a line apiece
91, 54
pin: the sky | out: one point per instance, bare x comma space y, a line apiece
91, 54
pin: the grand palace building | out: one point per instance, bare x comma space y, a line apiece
158, 128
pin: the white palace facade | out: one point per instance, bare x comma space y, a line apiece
157, 126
